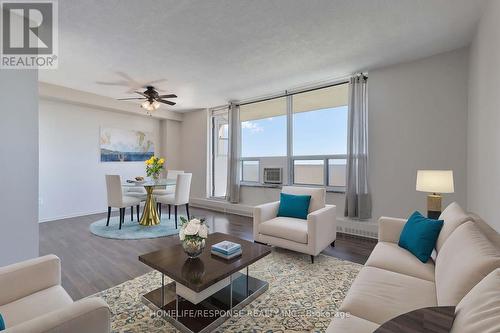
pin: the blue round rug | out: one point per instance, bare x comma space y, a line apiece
132, 229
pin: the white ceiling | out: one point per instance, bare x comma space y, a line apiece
212, 51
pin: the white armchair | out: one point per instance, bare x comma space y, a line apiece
309, 236
33, 300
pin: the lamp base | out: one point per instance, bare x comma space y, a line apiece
433, 206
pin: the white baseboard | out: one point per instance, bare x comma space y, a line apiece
357, 228
68, 216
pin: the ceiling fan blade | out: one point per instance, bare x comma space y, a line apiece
165, 102
168, 96
117, 83
150, 83
141, 93
126, 99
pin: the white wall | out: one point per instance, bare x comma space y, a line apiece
18, 165
194, 147
170, 132
71, 174
418, 120
483, 160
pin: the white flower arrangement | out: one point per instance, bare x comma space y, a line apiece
193, 230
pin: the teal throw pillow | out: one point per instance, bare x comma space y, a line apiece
296, 206
419, 235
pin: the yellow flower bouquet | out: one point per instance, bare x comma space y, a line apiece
154, 166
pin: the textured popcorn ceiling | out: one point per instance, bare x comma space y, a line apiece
211, 51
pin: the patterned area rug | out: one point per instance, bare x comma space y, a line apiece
302, 297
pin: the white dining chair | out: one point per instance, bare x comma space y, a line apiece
116, 199
180, 197
171, 175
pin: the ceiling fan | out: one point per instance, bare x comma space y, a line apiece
152, 99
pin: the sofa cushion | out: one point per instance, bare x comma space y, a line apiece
351, 324
285, 227
317, 195
464, 260
419, 235
479, 310
453, 216
292, 205
35, 305
393, 258
378, 295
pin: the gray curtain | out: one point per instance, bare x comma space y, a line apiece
358, 204
233, 158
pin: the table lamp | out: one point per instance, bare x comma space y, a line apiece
435, 182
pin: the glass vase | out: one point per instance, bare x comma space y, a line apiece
193, 247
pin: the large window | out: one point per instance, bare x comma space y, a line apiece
263, 128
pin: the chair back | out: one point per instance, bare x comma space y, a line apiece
172, 174
183, 188
317, 195
115, 192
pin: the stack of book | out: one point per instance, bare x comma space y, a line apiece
226, 249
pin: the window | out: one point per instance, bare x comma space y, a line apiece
337, 169
304, 133
222, 139
250, 171
219, 139
263, 128
320, 131
320, 121
309, 172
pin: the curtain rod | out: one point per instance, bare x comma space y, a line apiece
294, 92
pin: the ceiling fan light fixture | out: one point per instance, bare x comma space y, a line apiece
155, 105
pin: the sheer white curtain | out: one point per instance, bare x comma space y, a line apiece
358, 203
233, 158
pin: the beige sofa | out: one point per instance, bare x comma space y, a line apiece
309, 236
33, 301
465, 273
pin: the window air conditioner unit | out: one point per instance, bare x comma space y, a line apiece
273, 175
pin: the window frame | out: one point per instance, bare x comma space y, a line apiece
289, 154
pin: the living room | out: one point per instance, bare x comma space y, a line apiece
223, 117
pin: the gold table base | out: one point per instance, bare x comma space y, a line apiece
150, 215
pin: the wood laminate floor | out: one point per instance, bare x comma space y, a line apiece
91, 263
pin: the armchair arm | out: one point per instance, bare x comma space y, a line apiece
264, 213
90, 315
322, 228
27, 277
389, 229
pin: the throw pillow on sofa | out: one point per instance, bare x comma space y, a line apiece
419, 236
296, 206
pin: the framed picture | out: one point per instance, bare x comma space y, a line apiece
120, 145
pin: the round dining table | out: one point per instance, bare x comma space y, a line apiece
150, 216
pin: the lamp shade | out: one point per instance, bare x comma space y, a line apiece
435, 181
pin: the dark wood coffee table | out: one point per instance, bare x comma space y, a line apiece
207, 290
438, 319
